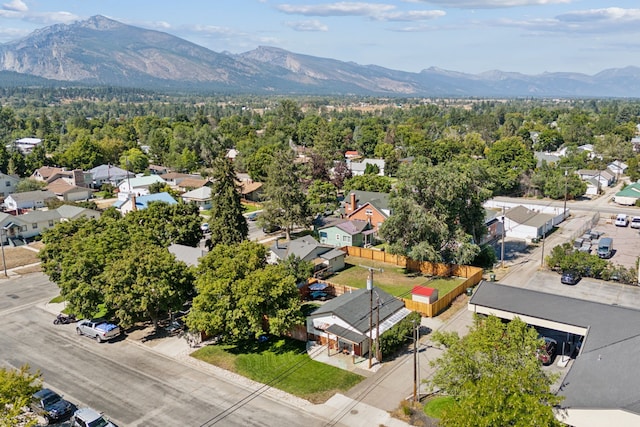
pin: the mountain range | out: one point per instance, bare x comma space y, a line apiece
101, 51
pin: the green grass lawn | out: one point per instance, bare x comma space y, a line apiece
281, 363
393, 279
435, 406
250, 208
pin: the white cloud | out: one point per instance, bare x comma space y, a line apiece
49, 18
336, 9
311, 25
596, 21
16, 6
489, 4
375, 11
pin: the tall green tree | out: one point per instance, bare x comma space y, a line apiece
437, 213
145, 282
134, 160
226, 222
238, 291
286, 204
495, 377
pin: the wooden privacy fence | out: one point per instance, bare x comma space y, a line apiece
473, 276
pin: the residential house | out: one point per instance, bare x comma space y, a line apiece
201, 197
142, 202
600, 385
527, 224
629, 195
108, 174
343, 323
187, 254
8, 184
358, 168
28, 200
346, 232
492, 220
69, 192
351, 155
189, 184
367, 206
15, 228
324, 257
138, 186
174, 179
618, 168
542, 157
635, 142
250, 190
596, 178
232, 153
26, 145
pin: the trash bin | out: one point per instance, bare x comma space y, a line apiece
492, 277
469, 292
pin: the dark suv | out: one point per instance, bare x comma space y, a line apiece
51, 405
570, 277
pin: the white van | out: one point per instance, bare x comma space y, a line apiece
622, 220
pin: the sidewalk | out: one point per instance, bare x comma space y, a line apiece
340, 409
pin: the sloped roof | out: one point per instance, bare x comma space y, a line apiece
39, 216
192, 182
60, 186
71, 212
632, 190
354, 307
249, 187
202, 193
47, 172
306, 248
36, 195
144, 181
109, 172
379, 200
157, 197
524, 216
353, 226
173, 175
422, 290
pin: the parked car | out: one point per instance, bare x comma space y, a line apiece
98, 329
205, 227
270, 228
50, 405
635, 222
547, 351
252, 216
622, 220
570, 277
605, 247
87, 417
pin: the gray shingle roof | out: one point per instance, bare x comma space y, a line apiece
33, 195
354, 307
524, 216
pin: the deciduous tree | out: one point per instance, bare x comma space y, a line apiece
16, 388
495, 377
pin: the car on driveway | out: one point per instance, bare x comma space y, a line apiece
635, 222
570, 277
98, 329
50, 405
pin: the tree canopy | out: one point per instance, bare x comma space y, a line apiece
16, 388
226, 223
240, 296
494, 376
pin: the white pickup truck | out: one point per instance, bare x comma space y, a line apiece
98, 329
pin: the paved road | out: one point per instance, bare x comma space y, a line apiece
132, 385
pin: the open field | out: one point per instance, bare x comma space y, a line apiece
392, 279
281, 363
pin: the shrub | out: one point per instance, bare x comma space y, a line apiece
399, 335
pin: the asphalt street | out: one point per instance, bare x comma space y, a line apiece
132, 385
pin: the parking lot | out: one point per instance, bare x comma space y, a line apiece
626, 241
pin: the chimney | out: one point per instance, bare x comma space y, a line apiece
353, 202
133, 201
78, 178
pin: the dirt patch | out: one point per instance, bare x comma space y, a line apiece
458, 304
19, 256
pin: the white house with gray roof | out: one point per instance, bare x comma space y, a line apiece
600, 387
524, 223
28, 200
138, 186
344, 321
201, 197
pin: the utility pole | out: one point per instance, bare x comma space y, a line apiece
415, 362
4, 262
502, 250
564, 211
370, 288
378, 351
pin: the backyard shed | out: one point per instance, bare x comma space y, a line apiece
424, 294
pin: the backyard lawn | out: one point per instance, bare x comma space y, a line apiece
393, 279
281, 363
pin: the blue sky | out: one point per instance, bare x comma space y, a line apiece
528, 36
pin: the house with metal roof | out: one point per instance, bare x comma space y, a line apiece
601, 384
108, 174
629, 195
344, 322
142, 202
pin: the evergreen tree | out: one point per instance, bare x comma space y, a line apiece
226, 223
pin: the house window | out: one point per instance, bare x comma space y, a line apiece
23, 228
346, 239
323, 234
369, 212
34, 225
50, 223
337, 237
7, 183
